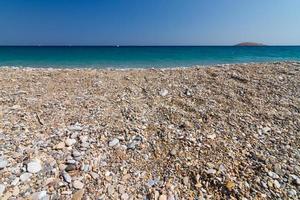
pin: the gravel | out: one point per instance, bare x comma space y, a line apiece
219, 132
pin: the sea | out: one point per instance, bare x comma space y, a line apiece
120, 57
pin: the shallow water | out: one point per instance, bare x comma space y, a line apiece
142, 57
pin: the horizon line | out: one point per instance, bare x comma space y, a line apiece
234, 45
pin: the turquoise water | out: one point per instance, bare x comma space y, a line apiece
142, 57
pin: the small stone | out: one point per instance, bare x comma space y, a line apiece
16, 191
94, 175
59, 146
70, 167
70, 142
76, 153
78, 195
211, 136
151, 183
230, 185
211, 171
273, 175
25, 177
292, 193
75, 127
186, 180
3, 163
276, 184
78, 185
110, 189
173, 152
124, 196
67, 177
34, 167
2, 189
15, 181
163, 92
163, 197
113, 142
40, 196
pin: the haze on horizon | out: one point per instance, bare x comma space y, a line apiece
144, 22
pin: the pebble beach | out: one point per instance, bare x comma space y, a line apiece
218, 132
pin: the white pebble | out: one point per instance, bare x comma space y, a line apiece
34, 167
70, 142
113, 142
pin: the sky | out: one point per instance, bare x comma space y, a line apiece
149, 22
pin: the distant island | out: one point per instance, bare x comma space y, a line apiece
249, 44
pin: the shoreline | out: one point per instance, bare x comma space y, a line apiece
221, 65
228, 132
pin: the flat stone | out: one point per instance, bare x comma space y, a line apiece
110, 189
186, 180
40, 196
273, 175
124, 196
67, 177
211, 171
34, 167
15, 181
25, 177
113, 142
2, 189
163, 197
70, 167
211, 136
163, 92
75, 127
292, 193
78, 185
70, 142
3, 163
78, 195
276, 184
60, 145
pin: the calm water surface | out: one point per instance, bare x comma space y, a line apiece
142, 57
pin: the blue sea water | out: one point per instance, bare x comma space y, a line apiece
141, 57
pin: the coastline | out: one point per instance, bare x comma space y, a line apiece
223, 131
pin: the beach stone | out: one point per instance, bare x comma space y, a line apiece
211, 136
211, 171
163, 197
75, 127
173, 152
163, 92
296, 179
40, 196
186, 180
2, 189
60, 145
78, 195
273, 175
3, 163
67, 177
292, 193
25, 177
276, 184
124, 196
70, 167
113, 142
70, 142
110, 189
78, 185
34, 167
15, 181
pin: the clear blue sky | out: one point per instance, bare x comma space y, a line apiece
149, 22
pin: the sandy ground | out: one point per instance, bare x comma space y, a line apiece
229, 132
